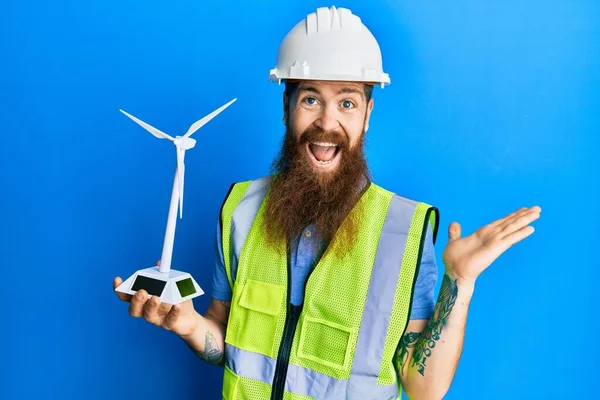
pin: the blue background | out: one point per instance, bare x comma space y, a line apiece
493, 105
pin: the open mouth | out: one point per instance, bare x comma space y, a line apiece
323, 153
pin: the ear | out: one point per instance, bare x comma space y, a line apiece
368, 115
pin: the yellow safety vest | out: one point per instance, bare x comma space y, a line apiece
341, 343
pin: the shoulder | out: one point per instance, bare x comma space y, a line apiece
397, 197
243, 201
259, 186
243, 190
407, 208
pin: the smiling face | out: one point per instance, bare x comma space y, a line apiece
328, 119
321, 169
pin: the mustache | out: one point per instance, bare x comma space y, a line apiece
315, 134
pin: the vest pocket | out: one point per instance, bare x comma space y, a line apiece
256, 317
262, 297
325, 342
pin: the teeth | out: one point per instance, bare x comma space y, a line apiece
325, 162
324, 144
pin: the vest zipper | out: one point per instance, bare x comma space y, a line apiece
287, 339
284, 352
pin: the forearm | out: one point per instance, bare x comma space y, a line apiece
430, 368
208, 339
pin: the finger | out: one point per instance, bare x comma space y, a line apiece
163, 310
150, 311
454, 231
137, 303
502, 220
158, 263
123, 296
172, 317
512, 219
517, 236
519, 223
518, 215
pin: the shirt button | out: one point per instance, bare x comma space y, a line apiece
307, 234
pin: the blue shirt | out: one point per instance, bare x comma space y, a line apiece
306, 249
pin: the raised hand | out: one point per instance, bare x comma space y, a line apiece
466, 258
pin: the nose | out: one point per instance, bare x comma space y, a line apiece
328, 119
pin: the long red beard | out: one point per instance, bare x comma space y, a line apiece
299, 196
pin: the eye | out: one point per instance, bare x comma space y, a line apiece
347, 104
310, 100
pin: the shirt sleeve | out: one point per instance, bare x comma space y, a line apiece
423, 301
220, 285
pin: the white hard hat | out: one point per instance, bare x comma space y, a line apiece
330, 44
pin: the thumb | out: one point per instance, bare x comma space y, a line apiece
123, 296
454, 231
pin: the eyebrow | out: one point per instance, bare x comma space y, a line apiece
309, 89
352, 90
313, 89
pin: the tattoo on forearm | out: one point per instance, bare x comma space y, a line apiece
211, 354
431, 334
408, 341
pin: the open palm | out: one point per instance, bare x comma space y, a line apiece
466, 258
180, 319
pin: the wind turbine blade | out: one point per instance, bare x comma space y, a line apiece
180, 177
201, 122
159, 134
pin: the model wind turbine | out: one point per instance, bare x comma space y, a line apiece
173, 287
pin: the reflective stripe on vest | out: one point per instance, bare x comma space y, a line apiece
358, 362
301, 381
243, 199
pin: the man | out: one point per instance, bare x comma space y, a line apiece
323, 286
